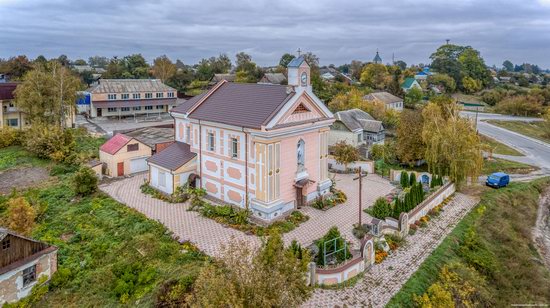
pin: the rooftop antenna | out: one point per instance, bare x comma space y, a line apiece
393, 57
299, 51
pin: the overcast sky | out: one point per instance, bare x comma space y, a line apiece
338, 31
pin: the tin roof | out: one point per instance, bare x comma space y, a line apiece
114, 144
129, 86
174, 156
384, 97
7, 90
355, 119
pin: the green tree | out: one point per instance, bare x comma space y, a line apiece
136, 67
163, 68
546, 123
413, 97
412, 179
98, 61
520, 105
244, 276
345, 153
285, 60
80, 62
409, 146
443, 80
16, 67
51, 142
401, 64
404, 179
84, 181
508, 66
375, 76
453, 146
471, 85
48, 94
20, 215
472, 65
381, 208
341, 256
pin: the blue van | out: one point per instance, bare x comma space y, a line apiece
498, 179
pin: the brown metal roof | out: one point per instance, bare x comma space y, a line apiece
7, 90
174, 156
130, 86
384, 97
241, 104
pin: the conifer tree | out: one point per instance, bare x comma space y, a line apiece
412, 179
404, 181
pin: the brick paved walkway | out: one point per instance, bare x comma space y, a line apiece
383, 281
209, 235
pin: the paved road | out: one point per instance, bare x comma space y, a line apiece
536, 152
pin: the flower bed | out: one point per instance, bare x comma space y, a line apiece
239, 219
179, 196
325, 203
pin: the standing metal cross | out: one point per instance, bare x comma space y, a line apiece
299, 51
360, 178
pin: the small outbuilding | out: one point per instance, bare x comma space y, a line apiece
123, 155
23, 261
172, 167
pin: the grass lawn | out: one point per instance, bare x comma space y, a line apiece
530, 129
493, 249
16, 156
499, 148
507, 166
109, 255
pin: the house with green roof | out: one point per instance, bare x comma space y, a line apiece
410, 83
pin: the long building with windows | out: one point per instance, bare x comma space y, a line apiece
9, 114
130, 97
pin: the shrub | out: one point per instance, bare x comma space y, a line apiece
412, 179
9, 136
381, 209
20, 215
523, 105
131, 279
404, 180
339, 257
84, 181
51, 142
175, 293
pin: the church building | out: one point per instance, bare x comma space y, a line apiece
258, 146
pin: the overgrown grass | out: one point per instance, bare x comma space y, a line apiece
499, 148
16, 156
530, 129
512, 167
88, 145
503, 254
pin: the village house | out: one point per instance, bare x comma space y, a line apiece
9, 114
219, 77
389, 100
410, 83
423, 75
23, 261
259, 146
130, 97
358, 128
273, 78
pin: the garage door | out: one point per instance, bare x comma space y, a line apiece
138, 165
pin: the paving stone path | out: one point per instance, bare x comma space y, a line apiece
382, 281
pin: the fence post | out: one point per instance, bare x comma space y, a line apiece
311, 274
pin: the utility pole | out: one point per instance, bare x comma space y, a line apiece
360, 178
299, 51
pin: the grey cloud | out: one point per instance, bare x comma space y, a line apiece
337, 31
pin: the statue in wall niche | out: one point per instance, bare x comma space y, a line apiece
300, 155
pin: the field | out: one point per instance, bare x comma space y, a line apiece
109, 254
531, 129
489, 258
499, 148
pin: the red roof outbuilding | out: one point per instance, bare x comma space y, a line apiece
114, 144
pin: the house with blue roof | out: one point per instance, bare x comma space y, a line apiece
410, 83
423, 75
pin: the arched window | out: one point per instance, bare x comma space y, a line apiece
301, 154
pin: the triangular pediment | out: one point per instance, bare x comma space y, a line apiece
303, 109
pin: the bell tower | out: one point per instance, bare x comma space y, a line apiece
299, 73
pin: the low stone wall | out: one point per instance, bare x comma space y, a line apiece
361, 260
366, 165
395, 176
432, 201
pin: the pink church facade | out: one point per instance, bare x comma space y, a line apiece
256, 146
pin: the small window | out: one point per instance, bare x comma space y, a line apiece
13, 122
29, 275
148, 107
188, 134
211, 142
132, 147
6, 244
170, 94
136, 96
113, 109
137, 108
160, 107
148, 95
160, 95
359, 138
125, 96
234, 147
111, 96
125, 109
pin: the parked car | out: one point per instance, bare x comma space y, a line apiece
498, 179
